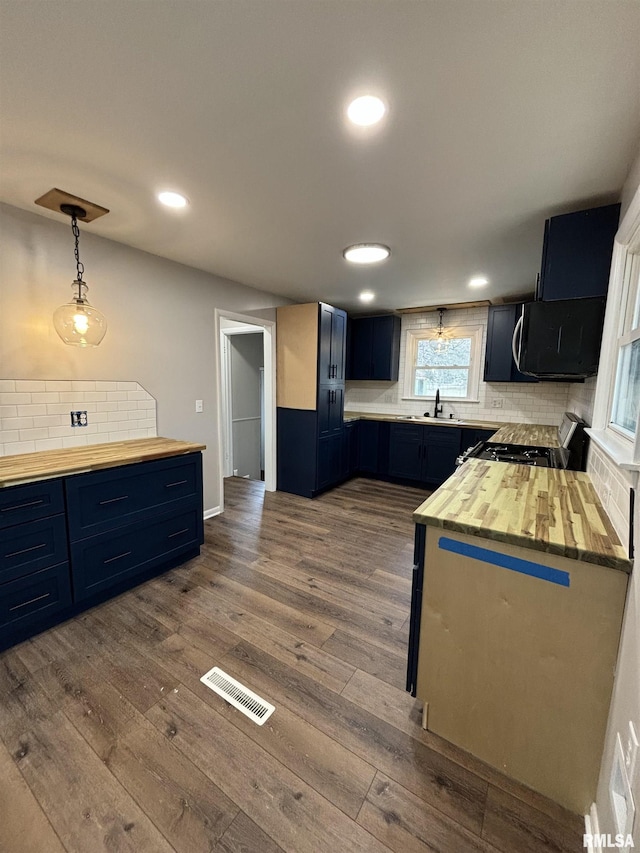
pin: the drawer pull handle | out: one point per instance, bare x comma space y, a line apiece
178, 533
177, 483
31, 601
26, 550
118, 557
21, 506
114, 500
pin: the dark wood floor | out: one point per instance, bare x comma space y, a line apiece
110, 742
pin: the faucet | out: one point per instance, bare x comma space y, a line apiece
437, 408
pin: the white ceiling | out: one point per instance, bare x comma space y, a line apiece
501, 113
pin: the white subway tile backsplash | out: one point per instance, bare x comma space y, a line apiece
35, 414
29, 385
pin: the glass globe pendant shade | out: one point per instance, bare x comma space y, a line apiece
78, 323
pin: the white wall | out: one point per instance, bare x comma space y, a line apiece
160, 318
522, 402
625, 704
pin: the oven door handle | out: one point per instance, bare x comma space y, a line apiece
517, 333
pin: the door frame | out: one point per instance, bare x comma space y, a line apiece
268, 329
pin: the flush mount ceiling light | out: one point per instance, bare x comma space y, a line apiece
366, 110
367, 296
366, 253
78, 323
478, 281
171, 199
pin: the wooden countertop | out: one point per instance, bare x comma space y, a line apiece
45, 464
546, 509
535, 435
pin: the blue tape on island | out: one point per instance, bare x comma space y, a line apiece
514, 564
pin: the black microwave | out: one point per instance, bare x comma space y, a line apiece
559, 339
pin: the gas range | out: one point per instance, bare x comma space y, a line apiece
522, 454
571, 452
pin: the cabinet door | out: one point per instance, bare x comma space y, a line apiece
339, 344
368, 446
385, 349
441, 449
330, 464
332, 345
499, 365
361, 348
576, 256
350, 449
330, 409
405, 451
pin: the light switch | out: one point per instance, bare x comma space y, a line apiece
199, 406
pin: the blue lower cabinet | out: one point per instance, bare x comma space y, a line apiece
31, 600
330, 465
423, 454
123, 524
108, 559
32, 546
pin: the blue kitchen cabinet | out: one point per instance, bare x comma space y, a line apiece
470, 437
423, 454
330, 409
499, 365
69, 543
374, 348
373, 448
350, 449
332, 345
576, 253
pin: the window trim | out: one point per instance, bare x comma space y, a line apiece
475, 361
623, 449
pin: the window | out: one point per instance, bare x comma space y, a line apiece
450, 364
626, 395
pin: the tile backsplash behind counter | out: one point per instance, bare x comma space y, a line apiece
35, 414
542, 402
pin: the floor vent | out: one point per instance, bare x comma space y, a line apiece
238, 695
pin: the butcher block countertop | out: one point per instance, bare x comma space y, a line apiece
534, 435
546, 509
45, 464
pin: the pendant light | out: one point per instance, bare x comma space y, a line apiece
442, 343
78, 323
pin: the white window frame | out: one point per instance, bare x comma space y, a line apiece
618, 443
475, 361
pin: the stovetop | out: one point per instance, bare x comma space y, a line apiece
521, 454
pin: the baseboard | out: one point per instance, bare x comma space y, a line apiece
209, 513
592, 830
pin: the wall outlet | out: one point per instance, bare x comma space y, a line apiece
78, 419
497, 403
199, 406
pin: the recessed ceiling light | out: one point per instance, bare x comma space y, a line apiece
366, 110
478, 281
171, 199
366, 253
367, 296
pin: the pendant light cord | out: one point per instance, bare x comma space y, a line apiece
79, 265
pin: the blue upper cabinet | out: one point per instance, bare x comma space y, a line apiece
374, 348
576, 256
499, 365
332, 345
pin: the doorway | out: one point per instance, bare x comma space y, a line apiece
247, 399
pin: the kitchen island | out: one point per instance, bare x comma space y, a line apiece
519, 591
81, 525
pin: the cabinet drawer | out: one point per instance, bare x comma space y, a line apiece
32, 598
27, 548
104, 560
443, 436
25, 503
110, 499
